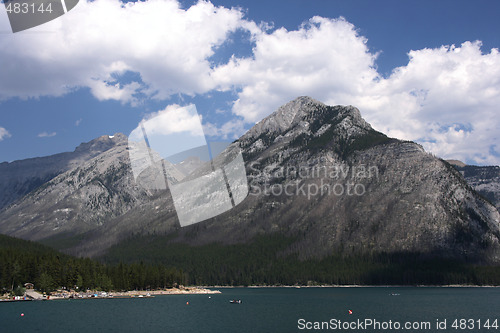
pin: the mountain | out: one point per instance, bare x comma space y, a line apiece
484, 179
18, 178
411, 201
320, 177
456, 163
98, 187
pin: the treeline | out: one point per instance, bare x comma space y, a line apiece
263, 262
145, 262
23, 261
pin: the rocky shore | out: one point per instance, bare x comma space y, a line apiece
95, 294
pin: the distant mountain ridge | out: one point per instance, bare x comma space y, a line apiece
411, 201
484, 179
18, 178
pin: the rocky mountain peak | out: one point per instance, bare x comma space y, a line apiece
286, 116
303, 112
102, 143
296, 110
305, 124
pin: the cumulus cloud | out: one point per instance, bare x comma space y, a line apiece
230, 130
47, 134
324, 58
445, 98
98, 41
174, 119
170, 131
4, 134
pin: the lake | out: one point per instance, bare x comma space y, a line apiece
267, 310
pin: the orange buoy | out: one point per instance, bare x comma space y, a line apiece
187, 303
22, 314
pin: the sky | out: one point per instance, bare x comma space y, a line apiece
427, 71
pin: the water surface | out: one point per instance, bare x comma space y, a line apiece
262, 310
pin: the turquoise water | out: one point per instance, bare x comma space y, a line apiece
262, 310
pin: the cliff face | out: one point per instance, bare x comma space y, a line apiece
484, 179
317, 173
78, 200
352, 189
18, 178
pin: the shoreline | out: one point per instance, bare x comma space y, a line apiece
361, 286
96, 294
201, 290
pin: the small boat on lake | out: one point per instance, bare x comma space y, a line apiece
233, 301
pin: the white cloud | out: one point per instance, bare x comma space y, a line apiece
4, 134
167, 46
445, 98
46, 134
324, 58
78, 122
230, 130
169, 131
174, 119
124, 93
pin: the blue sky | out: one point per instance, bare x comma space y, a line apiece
417, 70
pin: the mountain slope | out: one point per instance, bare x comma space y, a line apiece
411, 201
18, 178
83, 198
484, 179
319, 175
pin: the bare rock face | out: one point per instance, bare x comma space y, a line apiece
18, 178
346, 188
484, 179
317, 173
92, 191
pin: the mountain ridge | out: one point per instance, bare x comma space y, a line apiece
18, 178
415, 202
484, 179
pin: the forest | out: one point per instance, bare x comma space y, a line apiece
152, 262
267, 261
24, 261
